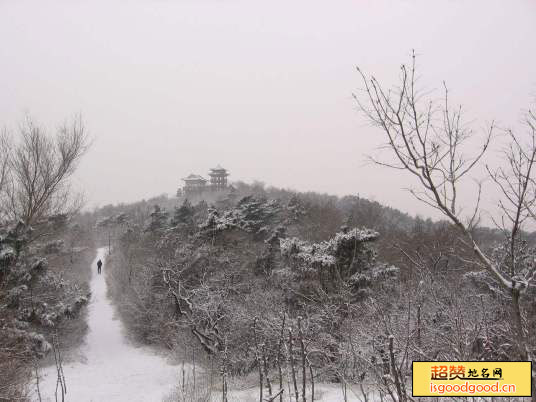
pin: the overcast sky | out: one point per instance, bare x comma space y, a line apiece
173, 87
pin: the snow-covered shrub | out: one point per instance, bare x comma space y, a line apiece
381, 273
54, 247
38, 341
307, 255
347, 251
7, 257
15, 238
158, 220
14, 294
295, 210
250, 215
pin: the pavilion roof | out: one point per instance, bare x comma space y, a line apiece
194, 177
218, 168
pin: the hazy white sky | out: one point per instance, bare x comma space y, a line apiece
171, 87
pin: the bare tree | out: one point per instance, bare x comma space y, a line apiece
430, 140
39, 170
6, 145
518, 190
516, 184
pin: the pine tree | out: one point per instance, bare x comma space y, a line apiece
184, 214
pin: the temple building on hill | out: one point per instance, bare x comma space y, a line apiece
195, 184
218, 178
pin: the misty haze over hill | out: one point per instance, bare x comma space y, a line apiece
173, 87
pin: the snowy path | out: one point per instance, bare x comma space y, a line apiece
113, 369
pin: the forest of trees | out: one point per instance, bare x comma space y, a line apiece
363, 288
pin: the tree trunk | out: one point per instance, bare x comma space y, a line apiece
521, 339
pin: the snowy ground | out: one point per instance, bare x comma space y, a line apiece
111, 368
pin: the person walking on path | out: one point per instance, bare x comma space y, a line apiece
99, 266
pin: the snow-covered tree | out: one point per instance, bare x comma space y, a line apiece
184, 215
158, 220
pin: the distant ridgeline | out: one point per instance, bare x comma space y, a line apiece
195, 184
